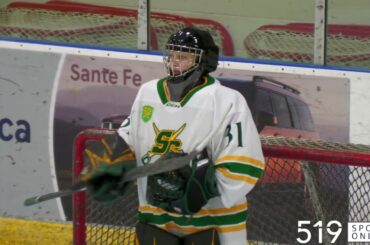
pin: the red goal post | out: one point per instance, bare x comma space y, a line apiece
335, 186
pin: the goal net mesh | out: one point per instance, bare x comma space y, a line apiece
77, 23
303, 180
347, 45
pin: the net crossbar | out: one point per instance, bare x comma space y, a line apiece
335, 186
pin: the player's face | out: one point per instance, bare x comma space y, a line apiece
180, 62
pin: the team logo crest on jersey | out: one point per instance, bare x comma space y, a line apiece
146, 113
166, 140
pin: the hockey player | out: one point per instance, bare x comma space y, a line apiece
205, 202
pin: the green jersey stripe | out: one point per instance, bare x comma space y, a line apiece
161, 90
161, 87
239, 168
208, 81
161, 219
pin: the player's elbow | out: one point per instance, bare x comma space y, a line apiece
233, 195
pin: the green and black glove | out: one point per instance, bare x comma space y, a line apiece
108, 160
104, 183
185, 190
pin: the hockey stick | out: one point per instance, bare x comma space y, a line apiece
160, 166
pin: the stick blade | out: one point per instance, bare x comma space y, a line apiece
31, 201
79, 186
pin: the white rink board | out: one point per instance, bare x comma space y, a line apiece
359, 78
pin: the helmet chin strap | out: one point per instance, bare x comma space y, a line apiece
179, 86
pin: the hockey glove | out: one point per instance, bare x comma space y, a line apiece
108, 160
185, 190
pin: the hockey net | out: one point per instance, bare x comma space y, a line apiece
347, 45
95, 25
334, 185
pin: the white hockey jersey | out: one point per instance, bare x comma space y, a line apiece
158, 125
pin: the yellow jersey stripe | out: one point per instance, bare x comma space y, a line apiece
243, 178
231, 228
242, 159
166, 92
234, 209
202, 212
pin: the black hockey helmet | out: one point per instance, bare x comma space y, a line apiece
195, 41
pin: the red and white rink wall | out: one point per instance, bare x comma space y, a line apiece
49, 92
